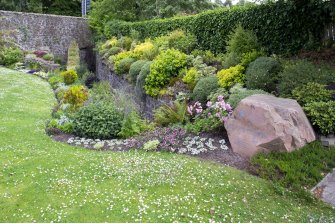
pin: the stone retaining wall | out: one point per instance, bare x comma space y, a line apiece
32, 31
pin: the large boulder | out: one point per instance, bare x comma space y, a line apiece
263, 123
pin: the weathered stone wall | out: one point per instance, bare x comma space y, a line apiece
33, 31
146, 104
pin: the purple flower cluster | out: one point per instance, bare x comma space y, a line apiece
218, 109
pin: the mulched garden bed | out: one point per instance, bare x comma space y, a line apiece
222, 154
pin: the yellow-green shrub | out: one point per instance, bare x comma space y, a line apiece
76, 96
191, 77
231, 76
69, 76
167, 64
116, 60
110, 43
146, 50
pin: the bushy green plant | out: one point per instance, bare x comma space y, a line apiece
322, 115
133, 125
146, 50
63, 123
98, 121
101, 92
69, 76
135, 70
231, 76
10, 56
73, 57
60, 91
114, 50
184, 42
191, 77
205, 87
76, 96
231, 60
48, 57
171, 114
124, 42
263, 74
242, 41
124, 65
249, 57
299, 73
112, 42
82, 70
200, 125
238, 93
167, 64
312, 92
55, 79
116, 60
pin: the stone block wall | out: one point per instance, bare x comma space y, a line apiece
32, 31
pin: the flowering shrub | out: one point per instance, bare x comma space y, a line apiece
212, 117
231, 76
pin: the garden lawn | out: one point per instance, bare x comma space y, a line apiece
46, 181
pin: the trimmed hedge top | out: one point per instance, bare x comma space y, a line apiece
280, 27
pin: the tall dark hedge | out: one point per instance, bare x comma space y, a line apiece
281, 27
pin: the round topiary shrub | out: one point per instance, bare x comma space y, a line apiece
125, 65
204, 88
263, 74
69, 76
98, 121
135, 70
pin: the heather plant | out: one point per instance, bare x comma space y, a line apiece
116, 60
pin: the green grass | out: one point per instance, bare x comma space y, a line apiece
46, 181
299, 169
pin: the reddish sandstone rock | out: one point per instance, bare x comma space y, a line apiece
267, 123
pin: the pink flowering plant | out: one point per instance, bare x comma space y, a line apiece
213, 116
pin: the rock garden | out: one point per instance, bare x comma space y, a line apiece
261, 107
